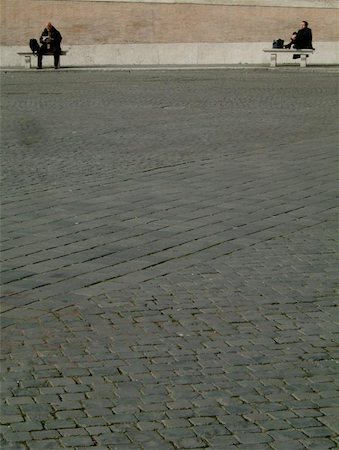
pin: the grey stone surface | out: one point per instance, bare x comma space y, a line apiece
169, 274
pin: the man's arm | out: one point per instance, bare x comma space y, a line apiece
57, 36
311, 39
43, 34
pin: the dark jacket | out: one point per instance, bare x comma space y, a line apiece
304, 38
55, 36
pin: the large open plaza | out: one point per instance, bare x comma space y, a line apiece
169, 264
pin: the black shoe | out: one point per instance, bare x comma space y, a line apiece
39, 68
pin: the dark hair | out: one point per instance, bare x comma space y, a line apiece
294, 32
305, 22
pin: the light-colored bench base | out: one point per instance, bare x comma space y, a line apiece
28, 55
302, 52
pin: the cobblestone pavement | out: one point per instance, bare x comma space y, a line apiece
169, 260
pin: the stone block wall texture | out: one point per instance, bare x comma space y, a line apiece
85, 23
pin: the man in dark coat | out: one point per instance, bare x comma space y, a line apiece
304, 37
50, 39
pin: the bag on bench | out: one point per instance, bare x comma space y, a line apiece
279, 43
34, 45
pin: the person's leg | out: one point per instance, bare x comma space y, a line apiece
41, 51
56, 58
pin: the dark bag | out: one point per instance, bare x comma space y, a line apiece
34, 45
279, 43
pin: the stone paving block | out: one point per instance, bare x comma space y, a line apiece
45, 434
19, 400
90, 421
58, 424
318, 431
14, 446
65, 432
44, 445
282, 414
175, 423
222, 441
96, 430
237, 423
203, 420
208, 430
37, 411
70, 414
124, 428
253, 438
48, 399
281, 435
331, 402
309, 412
151, 416
276, 424
149, 426
159, 443
97, 447
76, 441
112, 439
304, 422
159, 407
27, 426
17, 436
282, 445
175, 434
331, 418
260, 446
120, 418
67, 382
191, 443
9, 419
319, 444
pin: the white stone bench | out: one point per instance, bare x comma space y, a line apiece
26, 56
302, 52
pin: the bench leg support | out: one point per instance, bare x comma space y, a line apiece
273, 60
27, 62
303, 60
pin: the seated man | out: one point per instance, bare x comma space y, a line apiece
50, 39
303, 38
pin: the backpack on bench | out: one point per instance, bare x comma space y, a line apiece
34, 45
279, 43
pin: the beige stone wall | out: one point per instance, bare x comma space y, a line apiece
283, 3
86, 22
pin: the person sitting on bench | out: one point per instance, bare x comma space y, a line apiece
50, 39
303, 38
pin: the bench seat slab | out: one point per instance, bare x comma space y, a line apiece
302, 53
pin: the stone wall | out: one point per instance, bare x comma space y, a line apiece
100, 23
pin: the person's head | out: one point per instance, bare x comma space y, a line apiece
49, 26
304, 24
294, 35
